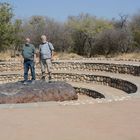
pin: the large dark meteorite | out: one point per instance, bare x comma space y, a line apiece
37, 92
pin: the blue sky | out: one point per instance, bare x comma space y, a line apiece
61, 9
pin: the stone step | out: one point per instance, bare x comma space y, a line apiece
111, 94
126, 77
128, 67
132, 68
103, 61
108, 92
86, 60
134, 79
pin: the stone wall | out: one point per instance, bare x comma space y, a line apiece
80, 66
85, 78
110, 67
89, 92
103, 80
10, 66
13, 71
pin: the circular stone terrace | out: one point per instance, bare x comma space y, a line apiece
95, 80
107, 106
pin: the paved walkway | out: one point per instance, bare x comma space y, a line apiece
106, 121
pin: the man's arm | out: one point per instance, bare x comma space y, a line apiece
34, 53
52, 50
39, 54
35, 57
52, 58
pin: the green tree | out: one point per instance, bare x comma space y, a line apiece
59, 35
34, 28
6, 27
84, 29
56, 32
113, 41
135, 28
17, 37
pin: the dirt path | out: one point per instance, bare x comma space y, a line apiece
105, 121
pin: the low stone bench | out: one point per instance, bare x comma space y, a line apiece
107, 66
121, 84
86, 71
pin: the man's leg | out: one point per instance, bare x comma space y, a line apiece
32, 67
43, 68
49, 68
26, 69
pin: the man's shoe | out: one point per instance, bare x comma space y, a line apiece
25, 83
50, 78
43, 78
33, 82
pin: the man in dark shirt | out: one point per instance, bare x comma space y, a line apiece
29, 56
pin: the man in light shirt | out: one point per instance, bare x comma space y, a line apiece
45, 57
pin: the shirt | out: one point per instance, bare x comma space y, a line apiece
45, 50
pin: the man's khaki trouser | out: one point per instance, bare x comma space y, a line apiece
46, 64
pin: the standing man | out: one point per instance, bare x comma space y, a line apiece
29, 56
46, 55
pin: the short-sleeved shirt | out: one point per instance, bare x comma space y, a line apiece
45, 50
28, 51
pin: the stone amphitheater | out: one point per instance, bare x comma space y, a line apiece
108, 82
95, 80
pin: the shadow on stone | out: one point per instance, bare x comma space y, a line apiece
36, 92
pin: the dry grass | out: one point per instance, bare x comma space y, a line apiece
63, 56
6, 56
129, 56
75, 56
